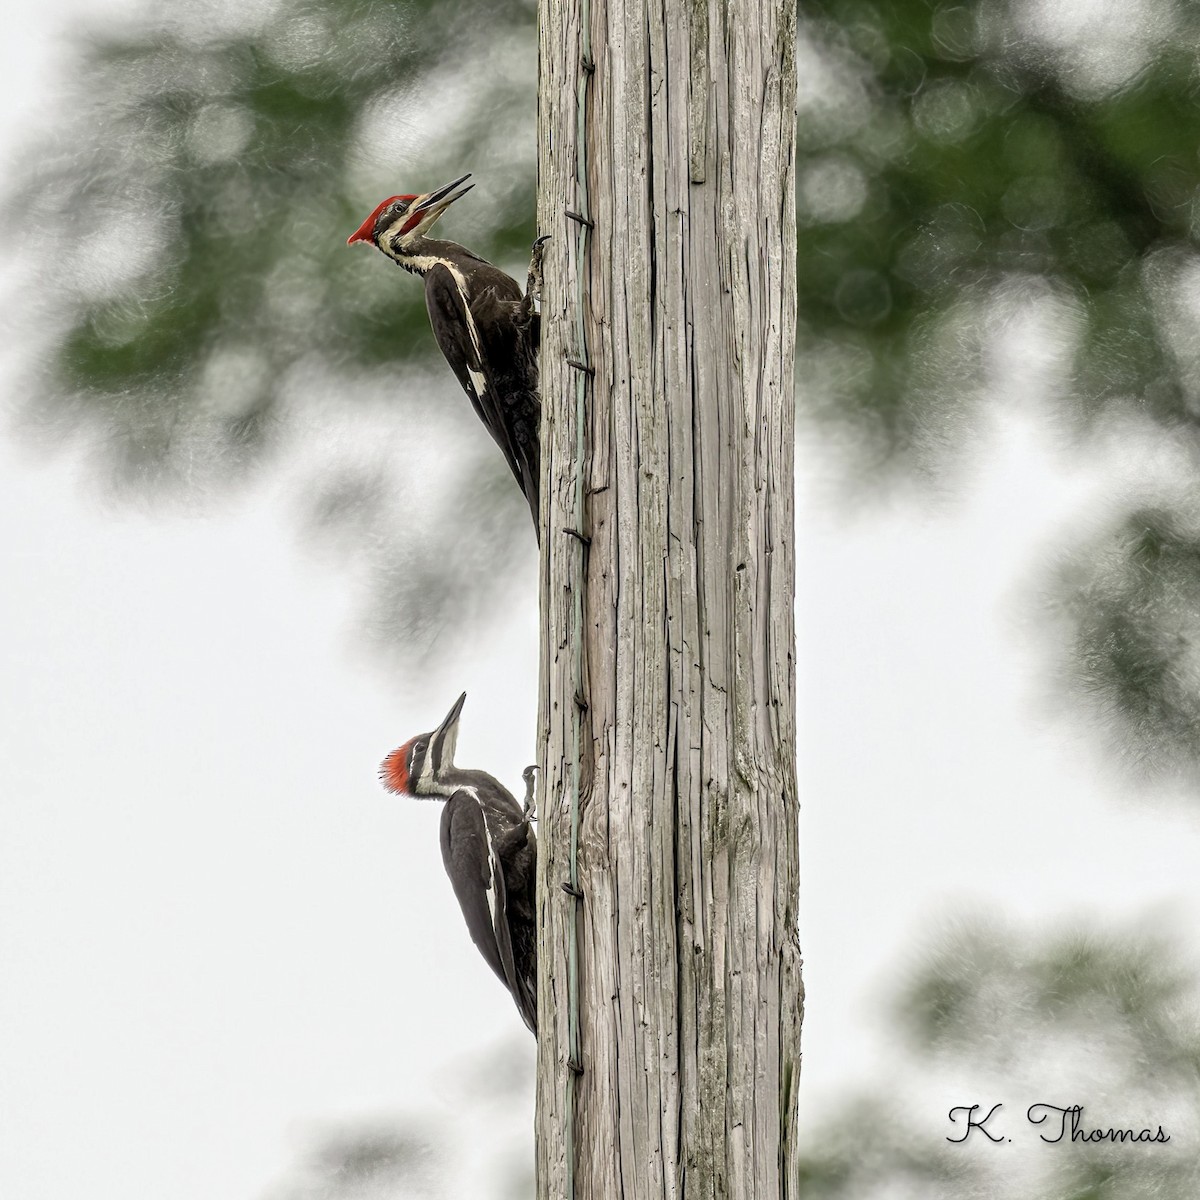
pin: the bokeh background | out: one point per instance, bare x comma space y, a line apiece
253, 538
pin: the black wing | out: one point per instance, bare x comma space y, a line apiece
510, 336
519, 851
494, 358
449, 319
478, 880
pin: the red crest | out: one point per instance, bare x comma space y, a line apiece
393, 771
366, 231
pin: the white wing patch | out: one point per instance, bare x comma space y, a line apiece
493, 865
491, 898
426, 262
462, 292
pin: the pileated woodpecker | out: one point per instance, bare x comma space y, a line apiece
489, 850
486, 329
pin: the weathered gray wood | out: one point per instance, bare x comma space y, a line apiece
689, 963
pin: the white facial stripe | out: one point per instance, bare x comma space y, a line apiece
393, 230
427, 769
419, 262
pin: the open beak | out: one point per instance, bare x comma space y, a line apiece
426, 209
445, 737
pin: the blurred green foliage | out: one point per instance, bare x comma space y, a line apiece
946, 147
483, 1104
1103, 1019
962, 165
1131, 596
958, 165
366, 1164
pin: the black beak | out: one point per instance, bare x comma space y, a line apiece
445, 736
442, 198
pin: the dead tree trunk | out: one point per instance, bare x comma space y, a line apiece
690, 996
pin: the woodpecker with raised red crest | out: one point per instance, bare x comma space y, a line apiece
489, 851
487, 330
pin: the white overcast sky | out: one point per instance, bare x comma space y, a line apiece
219, 936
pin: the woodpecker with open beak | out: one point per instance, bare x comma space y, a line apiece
487, 330
489, 851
